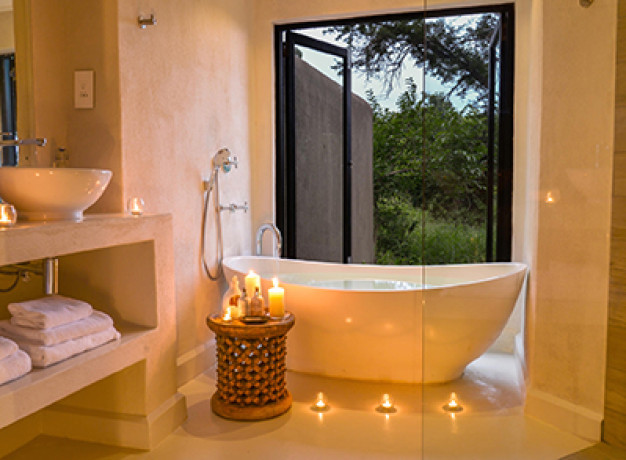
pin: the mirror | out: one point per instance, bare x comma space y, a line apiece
8, 120
16, 95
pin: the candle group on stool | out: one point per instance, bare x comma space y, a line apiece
276, 298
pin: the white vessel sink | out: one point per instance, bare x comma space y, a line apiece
52, 193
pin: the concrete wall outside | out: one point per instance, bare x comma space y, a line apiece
319, 170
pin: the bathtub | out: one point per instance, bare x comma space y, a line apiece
380, 323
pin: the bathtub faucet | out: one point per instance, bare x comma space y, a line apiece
259, 238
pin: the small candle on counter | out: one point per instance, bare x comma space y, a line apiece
227, 317
252, 282
135, 206
8, 215
277, 300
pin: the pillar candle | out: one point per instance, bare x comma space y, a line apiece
277, 300
253, 281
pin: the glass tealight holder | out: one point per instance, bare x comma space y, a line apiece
386, 405
8, 215
321, 403
135, 206
453, 404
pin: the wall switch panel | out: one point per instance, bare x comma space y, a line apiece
83, 89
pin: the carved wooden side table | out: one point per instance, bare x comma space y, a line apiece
251, 368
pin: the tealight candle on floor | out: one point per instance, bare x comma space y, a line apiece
320, 405
277, 300
453, 404
386, 405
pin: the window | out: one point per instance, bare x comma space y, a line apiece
395, 138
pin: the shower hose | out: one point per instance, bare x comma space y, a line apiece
213, 183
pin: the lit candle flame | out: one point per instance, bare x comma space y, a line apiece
227, 315
275, 281
386, 404
453, 405
320, 404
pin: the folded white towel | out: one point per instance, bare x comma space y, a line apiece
43, 356
48, 312
14, 366
98, 321
7, 347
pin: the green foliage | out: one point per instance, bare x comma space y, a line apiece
455, 51
446, 186
429, 157
401, 227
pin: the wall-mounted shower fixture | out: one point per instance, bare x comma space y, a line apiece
232, 207
48, 269
146, 21
223, 161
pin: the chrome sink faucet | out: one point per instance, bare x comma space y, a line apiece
259, 238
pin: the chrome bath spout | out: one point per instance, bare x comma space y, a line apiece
259, 238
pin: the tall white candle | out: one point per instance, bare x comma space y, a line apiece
277, 300
252, 282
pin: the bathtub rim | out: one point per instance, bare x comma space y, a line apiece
518, 267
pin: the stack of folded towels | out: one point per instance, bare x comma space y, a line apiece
55, 328
14, 363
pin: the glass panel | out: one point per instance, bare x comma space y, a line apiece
470, 380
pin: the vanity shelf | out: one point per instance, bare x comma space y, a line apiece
123, 266
42, 387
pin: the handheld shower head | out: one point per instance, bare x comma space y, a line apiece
224, 160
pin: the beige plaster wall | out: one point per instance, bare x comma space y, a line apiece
567, 307
166, 99
69, 35
184, 95
7, 40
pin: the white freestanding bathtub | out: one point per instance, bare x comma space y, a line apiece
388, 323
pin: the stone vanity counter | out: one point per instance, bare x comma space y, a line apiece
123, 393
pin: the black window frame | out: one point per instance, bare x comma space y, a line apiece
503, 177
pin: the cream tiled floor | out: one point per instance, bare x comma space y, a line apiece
492, 425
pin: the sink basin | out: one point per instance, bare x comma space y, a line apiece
52, 193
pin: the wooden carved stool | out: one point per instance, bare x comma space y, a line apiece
251, 368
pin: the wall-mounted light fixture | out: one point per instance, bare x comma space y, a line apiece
586, 3
146, 21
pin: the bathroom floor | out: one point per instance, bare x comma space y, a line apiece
491, 426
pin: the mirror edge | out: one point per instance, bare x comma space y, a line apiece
24, 74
